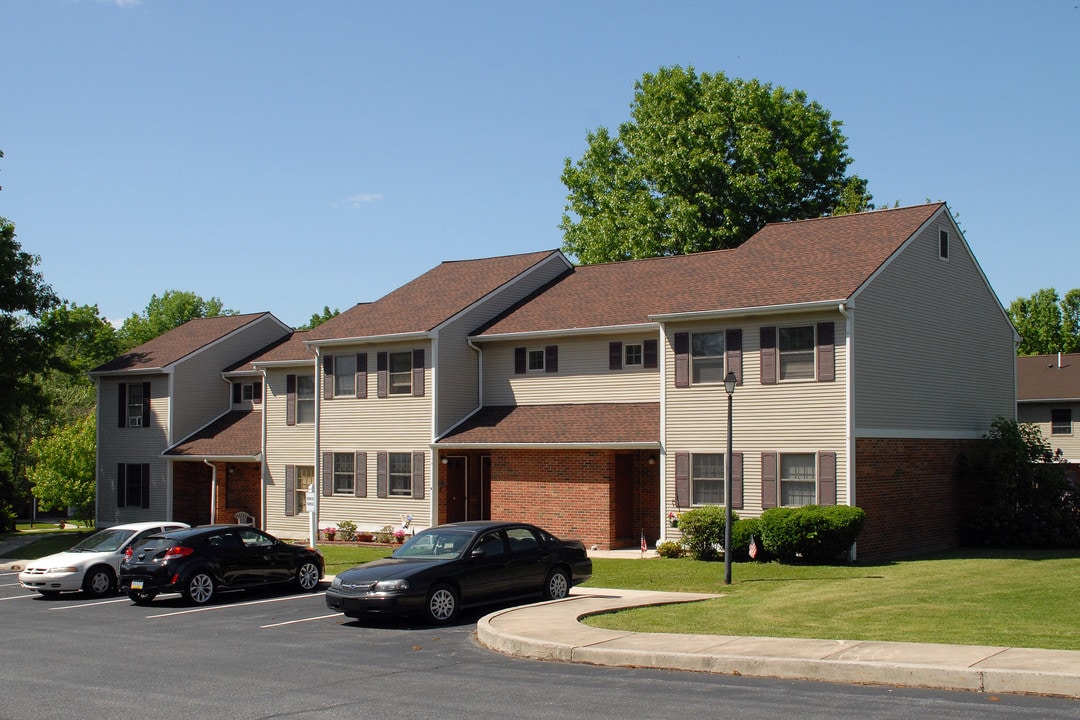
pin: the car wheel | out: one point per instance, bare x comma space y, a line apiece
557, 585
98, 581
141, 597
442, 604
199, 589
307, 576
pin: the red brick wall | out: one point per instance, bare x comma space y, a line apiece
238, 488
911, 493
191, 493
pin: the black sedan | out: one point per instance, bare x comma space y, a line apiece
201, 561
446, 568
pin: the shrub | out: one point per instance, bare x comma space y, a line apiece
671, 549
811, 533
347, 528
7, 518
703, 531
741, 532
386, 535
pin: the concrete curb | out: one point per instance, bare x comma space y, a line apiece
553, 631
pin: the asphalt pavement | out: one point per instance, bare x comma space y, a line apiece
554, 631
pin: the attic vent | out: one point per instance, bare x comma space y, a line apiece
943, 244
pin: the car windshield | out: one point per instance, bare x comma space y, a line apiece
436, 544
104, 541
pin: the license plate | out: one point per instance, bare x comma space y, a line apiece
136, 584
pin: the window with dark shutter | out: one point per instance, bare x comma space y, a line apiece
682, 479
361, 375
360, 474
121, 485
615, 355
256, 392
327, 474
768, 356
826, 353
382, 460
826, 478
551, 358
290, 400
521, 361
768, 480
736, 481
682, 360
122, 414
145, 486
290, 489
418, 475
418, 372
733, 353
649, 354
237, 388
382, 375
146, 405
328, 377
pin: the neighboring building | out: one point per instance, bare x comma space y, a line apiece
1048, 396
869, 350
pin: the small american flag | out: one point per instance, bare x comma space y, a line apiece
644, 546
753, 547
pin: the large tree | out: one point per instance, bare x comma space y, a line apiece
704, 162
172, 309
1047, 323
63, 469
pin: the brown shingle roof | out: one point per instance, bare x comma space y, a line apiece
783, 264
1040, 377
178, 343
290, 348
430, 299
612, 423
235, 434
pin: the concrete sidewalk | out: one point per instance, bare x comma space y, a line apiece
552, 631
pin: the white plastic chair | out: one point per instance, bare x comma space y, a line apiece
244, 518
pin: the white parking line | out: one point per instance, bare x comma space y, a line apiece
11, 585
18, 597
91, 604
232, 605
304, 620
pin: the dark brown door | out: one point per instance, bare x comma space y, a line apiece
455, 489
624, 496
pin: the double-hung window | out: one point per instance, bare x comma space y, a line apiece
305, 399
401, 367
400, 474
134, 405
1061, 421
707, 479
798, 480
344, 473
707, 357
344, 375
796, 346
305, 477
536, 360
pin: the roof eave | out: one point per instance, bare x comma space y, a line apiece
392, 337
751, 311
598, 330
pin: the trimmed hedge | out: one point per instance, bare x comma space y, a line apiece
811, 533
703, 531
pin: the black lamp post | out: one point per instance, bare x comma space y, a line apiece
729, 386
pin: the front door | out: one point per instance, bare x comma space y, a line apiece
624, 496
455, 489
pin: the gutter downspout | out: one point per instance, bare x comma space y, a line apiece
213, 490
264, 470
313, 511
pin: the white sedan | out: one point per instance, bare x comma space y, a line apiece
92, 565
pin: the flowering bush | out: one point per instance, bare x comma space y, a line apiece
330, 533
399, 534
673, 519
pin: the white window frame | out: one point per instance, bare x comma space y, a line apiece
1054, 424
135, 409
344, 479
698, 479
305, 400
399, 474
634, 355
791, 482
305, 480
707, 362
535, 360
784, 375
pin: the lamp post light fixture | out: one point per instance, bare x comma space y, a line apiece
729, 386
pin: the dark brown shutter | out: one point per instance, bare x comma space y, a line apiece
382, 460
361, 375
290, 489
733, 353
418, 372
521, 361
682, 359
146, 404
614, 360
827, 478
551, 358
649, 354
256, 392
327, 474
237, 388
826, 352
768, 480
290, 400
123, 407
736, 481
382, 374
145, 484
121, 485
360, 474
328, 377
768, 356
682, 479
418, 475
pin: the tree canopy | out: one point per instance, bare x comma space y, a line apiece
1047, 323
318, 319
172, 309
63, 471
704, 162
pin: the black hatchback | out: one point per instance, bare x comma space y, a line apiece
201, 561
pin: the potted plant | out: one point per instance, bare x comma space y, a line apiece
330, 533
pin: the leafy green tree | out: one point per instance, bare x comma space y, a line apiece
172, 309
1047, 323
63, 471
319, 318
81, 340
704, 162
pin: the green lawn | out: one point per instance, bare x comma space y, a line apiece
971, 597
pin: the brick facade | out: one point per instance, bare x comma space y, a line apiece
238, 488
911, 493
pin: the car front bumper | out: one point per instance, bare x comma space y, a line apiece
45, 581
357, 605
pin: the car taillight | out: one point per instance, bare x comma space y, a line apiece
178, 552
128, 553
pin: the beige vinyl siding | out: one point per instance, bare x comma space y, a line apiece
285, 445
933, 349
803, 416
372, 513
583, 375
1038, 414
131, 446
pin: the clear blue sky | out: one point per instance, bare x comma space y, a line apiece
284, 156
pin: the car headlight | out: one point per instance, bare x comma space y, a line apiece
391, 585
60, 571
